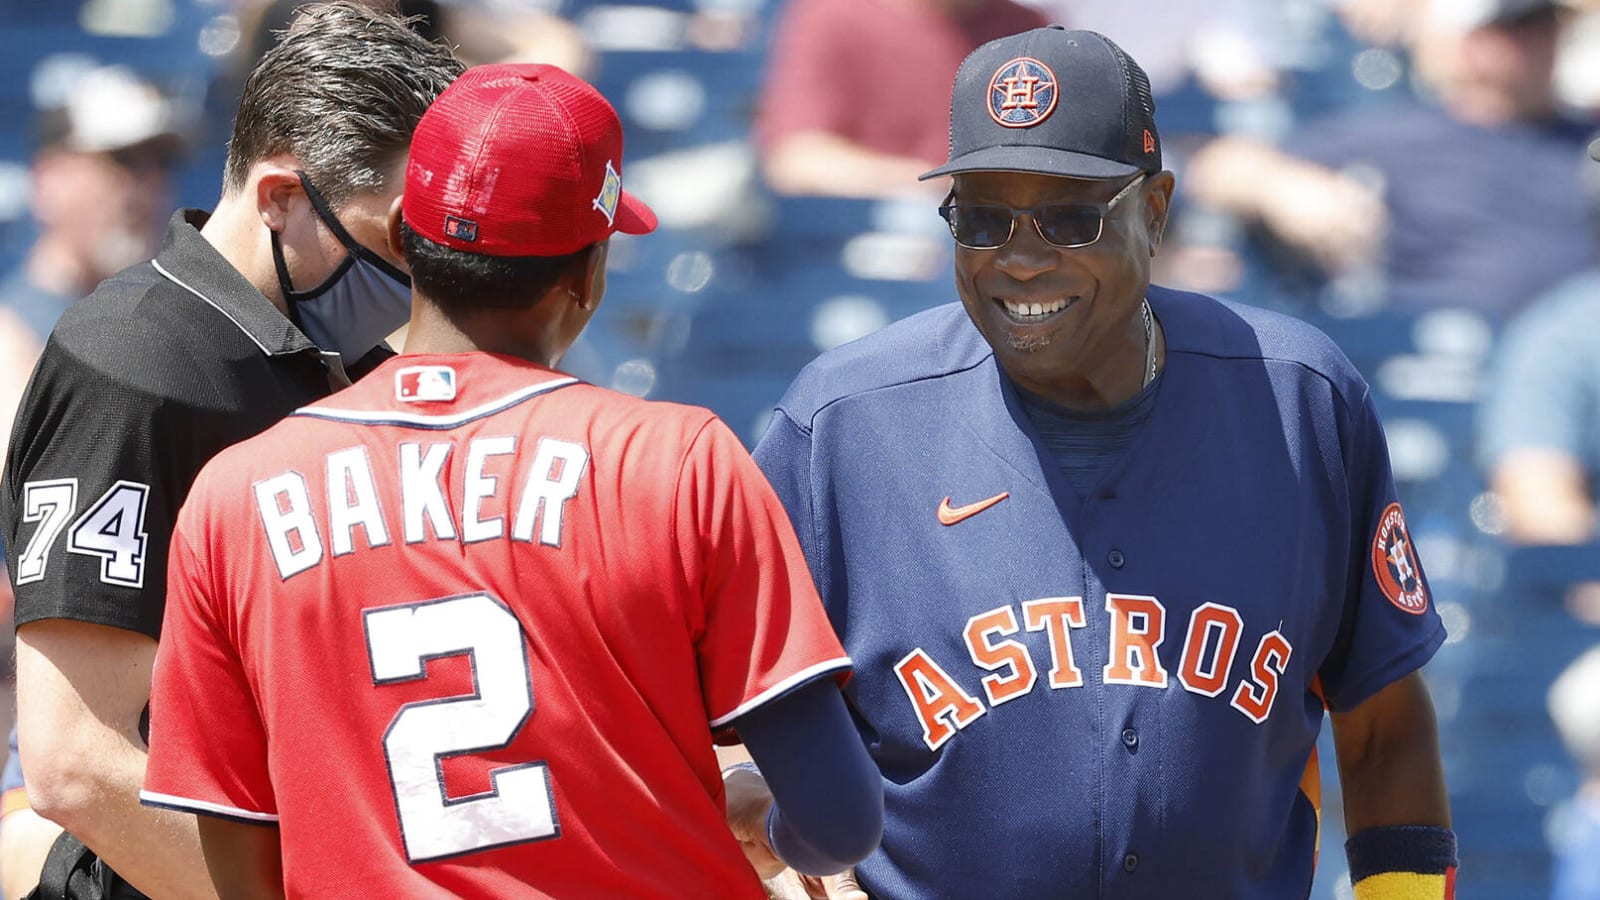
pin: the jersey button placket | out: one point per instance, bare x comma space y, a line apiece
1116, 559
1130, 862
1130, 739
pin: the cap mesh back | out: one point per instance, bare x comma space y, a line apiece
1142, 114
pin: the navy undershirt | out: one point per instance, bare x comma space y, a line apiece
1087, 443
804, 740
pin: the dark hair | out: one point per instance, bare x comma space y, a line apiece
342, 91
457, 281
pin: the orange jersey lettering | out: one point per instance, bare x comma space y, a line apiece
1055, 616
1254, 696
935, 697
1219, 627
1001, 654
1137, 625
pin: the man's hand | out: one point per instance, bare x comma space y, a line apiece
749, 801
842, 886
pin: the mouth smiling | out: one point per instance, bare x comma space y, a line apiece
1030, 313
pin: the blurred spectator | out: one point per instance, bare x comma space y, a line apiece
1381, 23
1224, 44
1540, 424
857, 95
100, 185
1474, 200
19, 347
479, 31
1574, 703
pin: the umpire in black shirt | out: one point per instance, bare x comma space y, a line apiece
265, 305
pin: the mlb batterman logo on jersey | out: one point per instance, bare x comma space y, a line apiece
1022, 93
421, 384
1394, 563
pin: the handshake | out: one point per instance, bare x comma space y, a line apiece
749, 804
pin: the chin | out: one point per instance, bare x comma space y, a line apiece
1028, 343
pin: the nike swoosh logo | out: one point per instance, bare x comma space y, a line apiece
950, 515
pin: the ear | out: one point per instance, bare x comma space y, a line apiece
592, 272
396, 244
1157, 206
277, 190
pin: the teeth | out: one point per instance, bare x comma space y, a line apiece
1034, 310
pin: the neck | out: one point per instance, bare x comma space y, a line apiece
1112, 383
236, 231
510, 332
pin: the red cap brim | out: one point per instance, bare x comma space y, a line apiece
633, 216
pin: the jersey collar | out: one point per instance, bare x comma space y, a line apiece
189, 261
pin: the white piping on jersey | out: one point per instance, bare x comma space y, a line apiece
180, 283
387, 417
185, 803
782, 687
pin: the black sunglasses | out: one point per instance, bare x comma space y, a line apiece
1065, 225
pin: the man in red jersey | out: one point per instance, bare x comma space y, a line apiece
467, 628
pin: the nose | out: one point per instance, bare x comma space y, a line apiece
1027, 255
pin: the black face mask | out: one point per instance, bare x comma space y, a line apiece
354, 308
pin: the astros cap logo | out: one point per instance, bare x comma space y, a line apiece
1022, 93
1394, 563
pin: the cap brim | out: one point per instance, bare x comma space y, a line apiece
633, 216
1037, 160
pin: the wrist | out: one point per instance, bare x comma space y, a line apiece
727, 771
1403, 862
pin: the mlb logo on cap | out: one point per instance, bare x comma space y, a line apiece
460, 229
421, 384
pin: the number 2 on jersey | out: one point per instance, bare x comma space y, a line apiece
518, 806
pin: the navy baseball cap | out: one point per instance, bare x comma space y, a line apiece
1053, 102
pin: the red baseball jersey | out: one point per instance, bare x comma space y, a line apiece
466, 629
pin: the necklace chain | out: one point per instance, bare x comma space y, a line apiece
1149, 345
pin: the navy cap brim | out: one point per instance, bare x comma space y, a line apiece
1036, 160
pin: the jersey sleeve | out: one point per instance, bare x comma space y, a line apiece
95, 474
208, 745
1389, 625
764, 632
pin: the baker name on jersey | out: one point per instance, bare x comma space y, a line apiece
301, 534
1137, 629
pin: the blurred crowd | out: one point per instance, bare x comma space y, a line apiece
1411, 175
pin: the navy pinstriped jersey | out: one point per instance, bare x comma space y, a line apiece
1117, 696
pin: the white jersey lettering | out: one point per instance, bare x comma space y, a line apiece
422, 493
481, 487
285, 507
552, 481
353, 501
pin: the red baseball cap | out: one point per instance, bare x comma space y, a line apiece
520, 160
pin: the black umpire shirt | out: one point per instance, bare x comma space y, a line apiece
141, 383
